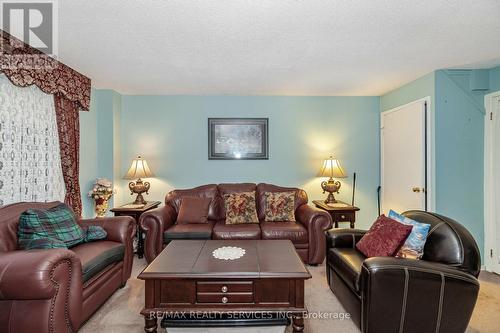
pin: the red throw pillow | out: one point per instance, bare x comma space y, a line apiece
384, 238
193, 210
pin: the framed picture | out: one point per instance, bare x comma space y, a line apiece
238, 139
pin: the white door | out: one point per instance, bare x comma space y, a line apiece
403, 158
493, 174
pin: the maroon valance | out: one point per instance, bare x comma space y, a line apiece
25, 65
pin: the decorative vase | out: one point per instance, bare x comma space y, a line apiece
101, 204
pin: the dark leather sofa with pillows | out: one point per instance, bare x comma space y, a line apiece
306, 233
387, 294
56, 290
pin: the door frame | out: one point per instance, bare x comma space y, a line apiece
429, 148
489, 223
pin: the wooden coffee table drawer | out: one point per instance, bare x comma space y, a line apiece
225, 298
224, 286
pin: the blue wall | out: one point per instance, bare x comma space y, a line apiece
88, 154
171, 133
420, 88
495, 79
99, 144
459, 125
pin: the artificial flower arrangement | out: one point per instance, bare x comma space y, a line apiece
101, 193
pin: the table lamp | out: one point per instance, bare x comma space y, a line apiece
331, 168
139, 169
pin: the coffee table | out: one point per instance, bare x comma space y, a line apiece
187, 281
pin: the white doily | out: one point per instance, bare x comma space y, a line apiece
228, 253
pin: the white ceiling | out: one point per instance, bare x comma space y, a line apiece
274, 47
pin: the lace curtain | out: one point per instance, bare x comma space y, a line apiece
30, 159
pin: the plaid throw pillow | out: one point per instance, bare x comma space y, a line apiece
280, 206
94, 232
58, 223
41, 243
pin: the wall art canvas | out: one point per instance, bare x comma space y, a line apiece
238, 138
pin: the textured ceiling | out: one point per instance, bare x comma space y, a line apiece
280, 47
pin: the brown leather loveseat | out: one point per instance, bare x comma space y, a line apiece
386, 294
307, 233
57, 290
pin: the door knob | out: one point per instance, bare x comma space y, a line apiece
417, 189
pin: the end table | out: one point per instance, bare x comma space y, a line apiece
339, 211
136, 212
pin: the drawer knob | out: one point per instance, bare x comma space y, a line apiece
224, 300
342, 216
224, 289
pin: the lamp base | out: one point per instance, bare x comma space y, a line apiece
139, 200
139, 187
330, 199
331, 186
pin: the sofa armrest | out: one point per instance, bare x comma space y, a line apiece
343, 238
415, 289
316, 221
29, 276
120, 229
154, 222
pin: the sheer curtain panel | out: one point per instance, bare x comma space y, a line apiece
30, 159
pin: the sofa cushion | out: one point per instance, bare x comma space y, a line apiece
293, 231
347, 262
58, 222
236, 231
240, 208
280, 206
384, 239
193, 210
96, 256
189, 231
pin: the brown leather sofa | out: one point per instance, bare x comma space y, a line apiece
57, 290
385, 294
307, 234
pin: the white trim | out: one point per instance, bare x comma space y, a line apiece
431, 167
489, 223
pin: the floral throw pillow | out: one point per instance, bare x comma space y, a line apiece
240, 208
413, 248
280, 206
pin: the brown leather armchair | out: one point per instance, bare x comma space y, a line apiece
307, 233
386, 294
57, 290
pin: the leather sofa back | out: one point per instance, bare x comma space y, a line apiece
262, 188
9, 220
216, 192
174, 199
448, 242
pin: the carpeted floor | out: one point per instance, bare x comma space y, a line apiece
121, 312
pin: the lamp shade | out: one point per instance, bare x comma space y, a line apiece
139, 169
331, 168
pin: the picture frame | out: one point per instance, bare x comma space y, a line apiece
238, 138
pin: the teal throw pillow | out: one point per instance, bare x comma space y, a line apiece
57, 223
413, 248
41, 243
94, 232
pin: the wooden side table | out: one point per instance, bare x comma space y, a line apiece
136, 212
340, 212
